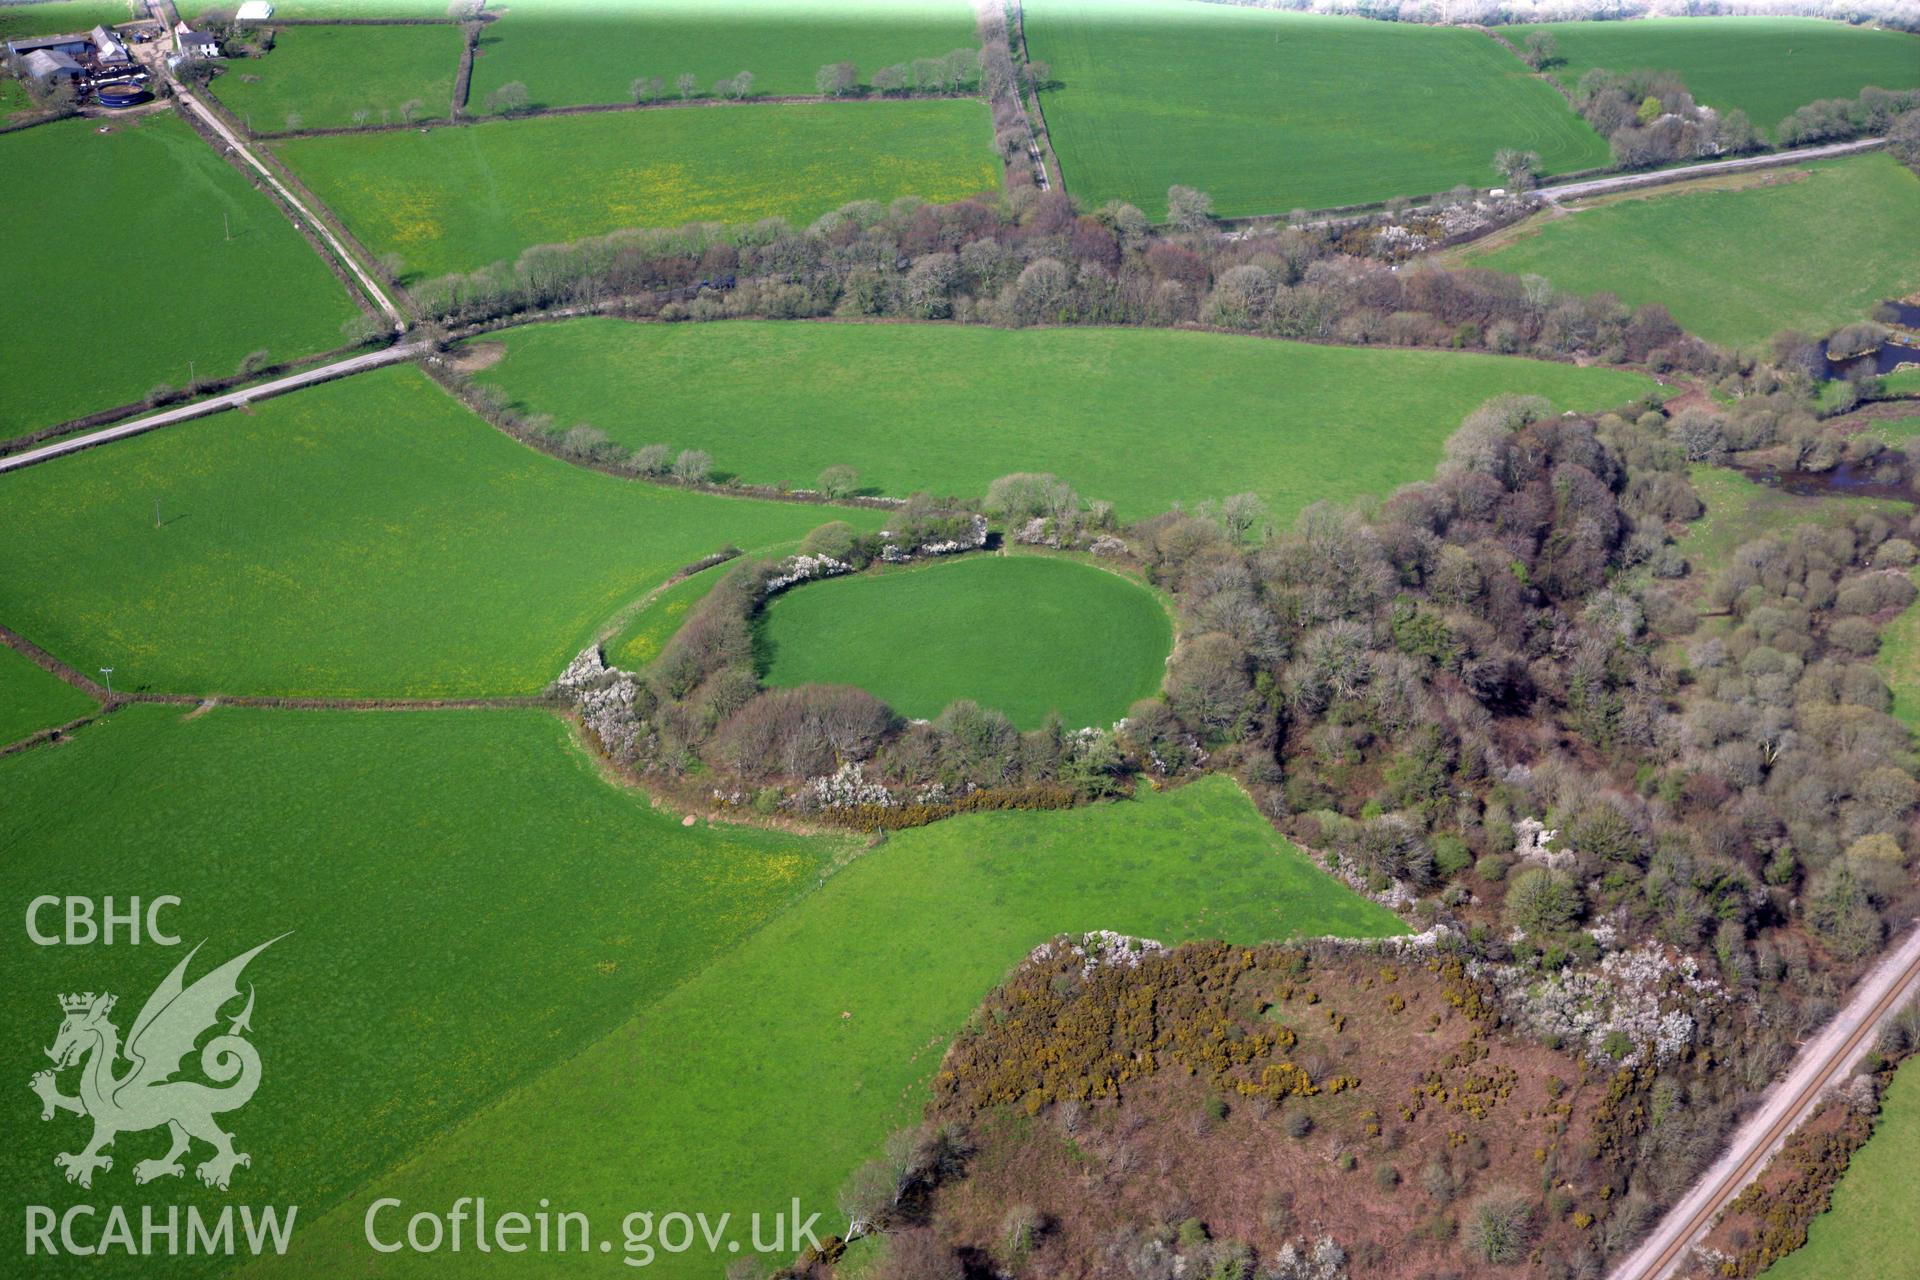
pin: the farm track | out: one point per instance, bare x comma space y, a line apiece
1823, 1061
1686, 173
216, 404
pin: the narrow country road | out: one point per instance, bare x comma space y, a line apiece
1823, 1061
320, 228
231, 400
1623, 182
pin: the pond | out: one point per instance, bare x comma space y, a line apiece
1898, 350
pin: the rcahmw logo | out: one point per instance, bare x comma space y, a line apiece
143, 1094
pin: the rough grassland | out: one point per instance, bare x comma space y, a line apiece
1766, 67
470, 904
1270, 112
1141, 418
368, 537
326, 74
579, 51
1870, 1229
31, 700
59, 17
1025, 635
79, 254
1809, 252
782, 1065
458, 199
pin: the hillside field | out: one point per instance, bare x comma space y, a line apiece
1115, 412
458, 199
1813, 249
470, 903
58, 17
1766, 67
369, 537
302, 75
569, 52
1870, 1229
784, 1062
1024, 635
1270, 112
80, 255
31, 699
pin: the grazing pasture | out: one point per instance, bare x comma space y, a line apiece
1142, 418
784, 1062
59, 17
1024, 635
329, 10
32, 700
569, 52
459, 199
468, 903
369, 537
1814, 248
396, 74
1269, 112
1870, 1229
1766, 67
84, 255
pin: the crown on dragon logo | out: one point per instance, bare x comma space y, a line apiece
80, 1002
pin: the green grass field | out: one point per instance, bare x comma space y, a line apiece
324, 10
1142, 418
31, 699
578, 51
458, 199
1269, 112
305, 76
1025, 635
782, 1064
148, 248
1766, 67
1869, 1231
644, 636
62, 17
1811, 251
367, 537
470, 902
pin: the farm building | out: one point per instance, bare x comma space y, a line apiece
197, 44
45, 66
254, 11
72, 46
108, 50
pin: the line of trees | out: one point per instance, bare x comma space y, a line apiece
1029, 257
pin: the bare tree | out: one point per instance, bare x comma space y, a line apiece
509, 99
1519, 168
1188, 209
411, 109
836, 79
692, 466
891, 79
645, 88
1241, 514
686, 82
1541, 50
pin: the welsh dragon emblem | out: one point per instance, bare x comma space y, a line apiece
146, 1095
